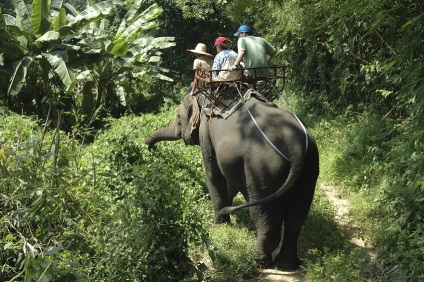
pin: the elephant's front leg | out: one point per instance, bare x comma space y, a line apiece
217, 185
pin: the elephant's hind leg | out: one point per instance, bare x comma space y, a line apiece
268, 235
287, 257
295, 217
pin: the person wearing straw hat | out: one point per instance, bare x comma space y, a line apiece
202, 60
223, 61
254, 51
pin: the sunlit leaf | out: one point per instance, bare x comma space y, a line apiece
59, 68
60, 19
48, 36
71, 9
130, 15
55, 7
9, 20
40, 18
18, 78
91, 14
143, 22
22, 15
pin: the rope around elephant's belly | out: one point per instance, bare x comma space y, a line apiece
263, 133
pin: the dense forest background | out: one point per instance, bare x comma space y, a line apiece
84, 82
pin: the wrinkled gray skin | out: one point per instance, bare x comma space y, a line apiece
239, 159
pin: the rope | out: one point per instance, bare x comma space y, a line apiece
301, 124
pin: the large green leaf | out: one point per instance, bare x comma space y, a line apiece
71, 9
40, 18
49, 36
158, 42
19, 75
90, 92
59, 68
12, 38
8, 20
22, 16
91, 14
143, 48
59, 20
143, 22
130, 15
55, 7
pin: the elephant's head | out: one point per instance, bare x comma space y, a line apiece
185, 125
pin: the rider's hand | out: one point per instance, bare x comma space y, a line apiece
232, 68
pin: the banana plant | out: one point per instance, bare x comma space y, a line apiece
55, 45
129, 54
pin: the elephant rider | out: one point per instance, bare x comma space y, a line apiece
223, 60
254, 51
202, 60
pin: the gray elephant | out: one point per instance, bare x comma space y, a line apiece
261, 151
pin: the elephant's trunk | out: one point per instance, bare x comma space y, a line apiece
169, 133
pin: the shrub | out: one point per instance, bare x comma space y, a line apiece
36, 205
143, 205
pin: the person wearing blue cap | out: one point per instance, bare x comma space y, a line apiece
254, 51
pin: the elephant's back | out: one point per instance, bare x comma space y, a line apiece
258, 119
257, 136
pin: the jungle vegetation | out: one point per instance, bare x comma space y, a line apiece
82, 83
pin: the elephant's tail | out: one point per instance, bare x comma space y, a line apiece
293, 177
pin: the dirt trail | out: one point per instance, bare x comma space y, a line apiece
341, 207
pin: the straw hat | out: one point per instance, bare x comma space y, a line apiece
200, 49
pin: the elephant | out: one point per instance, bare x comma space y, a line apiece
261, 151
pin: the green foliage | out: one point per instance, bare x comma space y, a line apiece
325, 248
399, 208
355, 76
344, 265
72, 60
362, 142
232, 254
108, 211
37, 209
385, 186
206, 21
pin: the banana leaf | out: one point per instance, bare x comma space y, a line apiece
19, 75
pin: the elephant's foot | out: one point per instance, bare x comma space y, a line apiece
220, 219
288, 264
264, 261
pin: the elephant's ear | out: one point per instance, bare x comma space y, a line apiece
195, 116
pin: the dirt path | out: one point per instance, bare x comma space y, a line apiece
341, 207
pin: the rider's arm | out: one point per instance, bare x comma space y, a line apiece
240, 57
270, 57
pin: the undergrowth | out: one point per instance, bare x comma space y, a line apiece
372, 163
114, 210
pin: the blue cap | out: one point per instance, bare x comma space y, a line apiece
243, 28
